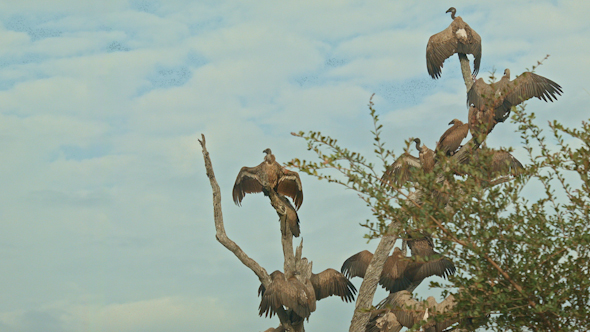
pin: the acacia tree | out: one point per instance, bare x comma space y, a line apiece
523, 264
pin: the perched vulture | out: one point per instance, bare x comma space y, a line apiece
288, 292
398, 303
399, 272
426, 156
287, 215
301, 298
451, 140
282, 180
457, 38
502, 95
399, 172
501, 162
481, 122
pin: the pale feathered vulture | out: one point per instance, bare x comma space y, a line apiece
398, 303
457, 38
282, 180
450, 141
426, 156
400, 171
300, 297
502, 95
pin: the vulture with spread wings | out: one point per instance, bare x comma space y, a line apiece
400, 171
253, 179
502, 95
457, 38
300, 297
399, 272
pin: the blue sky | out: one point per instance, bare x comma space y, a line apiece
105, 214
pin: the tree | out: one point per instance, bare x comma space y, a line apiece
523, 264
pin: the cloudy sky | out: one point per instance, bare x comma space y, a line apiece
105, 212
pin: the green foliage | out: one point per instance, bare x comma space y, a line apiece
522, 264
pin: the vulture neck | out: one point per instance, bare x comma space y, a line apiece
453, 12
417, 144
269, 158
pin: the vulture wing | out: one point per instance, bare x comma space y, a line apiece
450, 141
331, 282
398, 302
421, 270
439, 48
357, 264
505, 163
427, 159
393, 277
422, 246
399, 172
248, 181
289, 293
529, 85
290, 185
470, 43
481, 95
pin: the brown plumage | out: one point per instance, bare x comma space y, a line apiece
301, 297
282, 180
288, 292
481, 122
287, 215
331, 282
399, 172
426, 156
399, 272
450, 141
498, 162
502, 95
457, 38
408, 317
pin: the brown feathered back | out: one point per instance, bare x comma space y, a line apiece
450, 141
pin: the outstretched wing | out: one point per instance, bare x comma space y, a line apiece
248, 181
529, 85
481, 95
331, 282
290, 185
439, 48
421, 269
399, 172
356, 265
393, 277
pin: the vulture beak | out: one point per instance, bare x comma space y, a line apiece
452, 122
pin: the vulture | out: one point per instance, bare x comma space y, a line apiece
457, 38
399, 172
269, 172
451, 140
301, 298
399, 272
287, 215
397, 303
502, 95
288, 292
481, 123
426, 156
501, 162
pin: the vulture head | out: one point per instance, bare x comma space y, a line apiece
507, 73
417, 141
267, 151
454, 121
453, 11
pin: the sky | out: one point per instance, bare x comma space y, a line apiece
106, 219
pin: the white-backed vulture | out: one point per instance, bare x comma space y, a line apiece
450, 141
426, 156
502, 95
300, 297
481, 122
457, 38
400, 171
288, 292
397, 303
282, 180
